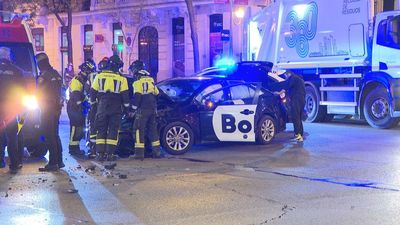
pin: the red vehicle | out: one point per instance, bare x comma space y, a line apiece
15, 35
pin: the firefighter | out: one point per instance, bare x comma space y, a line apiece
109, 92
92, 113
294, 87
10, 84
145, 105
50, 103
76, 107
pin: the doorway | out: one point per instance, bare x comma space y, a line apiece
148, 49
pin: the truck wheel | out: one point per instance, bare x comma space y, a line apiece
315, 112
266, 130
177, 138
37, 151
377, 110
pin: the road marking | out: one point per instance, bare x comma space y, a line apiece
102, 205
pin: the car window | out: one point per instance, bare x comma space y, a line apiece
180, 90
243, 93
208, 90
217, 97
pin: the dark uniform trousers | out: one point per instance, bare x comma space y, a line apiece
107, 125
145, 123
75, 112
49, 86
8, 134
50, 124
92, 127
77, 123
110, 92
297, 110
145, 101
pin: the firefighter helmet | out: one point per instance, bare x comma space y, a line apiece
115, 63
136, 66
88, 66
104, 64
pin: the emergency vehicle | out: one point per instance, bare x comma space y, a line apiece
348, 57
15, 35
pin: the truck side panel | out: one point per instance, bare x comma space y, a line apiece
319, 33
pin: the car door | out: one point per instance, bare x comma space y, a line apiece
234, 119
209, 98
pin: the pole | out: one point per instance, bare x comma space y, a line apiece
231, 31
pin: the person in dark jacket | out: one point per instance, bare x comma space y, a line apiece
295, 89
145, 104
110, 93
11, 83
49, 91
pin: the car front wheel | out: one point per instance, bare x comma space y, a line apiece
177, 138
266, 130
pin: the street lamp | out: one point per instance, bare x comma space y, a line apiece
239, 13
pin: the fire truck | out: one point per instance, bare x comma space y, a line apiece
15, 34
348, 57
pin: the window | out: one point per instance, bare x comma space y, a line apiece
180, 90
88, 29
88, 45
217, 97
208, 90
356, 34
38, 37
64, 39
242, 92
117, 32
389, 33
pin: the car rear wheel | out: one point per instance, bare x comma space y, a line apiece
266, 130
177, 138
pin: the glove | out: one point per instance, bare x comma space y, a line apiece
130, 112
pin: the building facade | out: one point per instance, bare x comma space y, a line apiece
156, 32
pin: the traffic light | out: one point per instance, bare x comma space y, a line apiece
120, 46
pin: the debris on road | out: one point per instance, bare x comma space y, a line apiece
72, 191
110, 166
122, 176
90, 169
107, 173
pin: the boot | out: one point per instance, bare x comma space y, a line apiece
156, 152
2, 162
101, 157
139, 154
76, 151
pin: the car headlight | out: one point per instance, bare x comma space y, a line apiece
30, 102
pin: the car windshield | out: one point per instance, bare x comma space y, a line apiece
22, 56
180, 90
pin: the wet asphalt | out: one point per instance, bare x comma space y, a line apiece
344, 173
